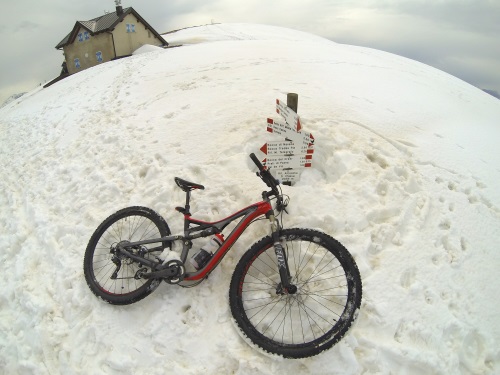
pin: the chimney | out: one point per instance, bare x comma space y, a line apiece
119, 9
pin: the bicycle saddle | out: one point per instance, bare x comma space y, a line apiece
188, 186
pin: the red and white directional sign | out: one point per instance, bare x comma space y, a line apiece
287, 148
280, 128
289, 115
288, 161
290, 175
287, 131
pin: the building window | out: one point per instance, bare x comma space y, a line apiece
80, 37
98, 55
130, 28
86, 35
77, 63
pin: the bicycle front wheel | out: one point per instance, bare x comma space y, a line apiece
313, 318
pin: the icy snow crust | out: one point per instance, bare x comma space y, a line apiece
406, 173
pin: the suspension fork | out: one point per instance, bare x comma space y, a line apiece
285, 287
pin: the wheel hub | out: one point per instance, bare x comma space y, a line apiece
292, 289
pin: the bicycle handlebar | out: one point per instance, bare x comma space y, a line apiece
266, 176
257, 162
270, 181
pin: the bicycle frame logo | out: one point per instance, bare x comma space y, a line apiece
280, 255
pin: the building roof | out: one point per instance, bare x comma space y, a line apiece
105, 23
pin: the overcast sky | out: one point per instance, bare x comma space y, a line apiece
460, 37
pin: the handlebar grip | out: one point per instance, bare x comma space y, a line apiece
266, 176
257, 162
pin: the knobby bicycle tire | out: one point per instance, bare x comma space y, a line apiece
129, 224
309, 321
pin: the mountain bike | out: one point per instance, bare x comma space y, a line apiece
294, 293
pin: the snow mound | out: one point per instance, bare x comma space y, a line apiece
236, 32
405, 175
146, 49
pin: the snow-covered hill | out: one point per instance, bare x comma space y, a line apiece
406, 173
11, 99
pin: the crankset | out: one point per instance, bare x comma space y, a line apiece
172, 272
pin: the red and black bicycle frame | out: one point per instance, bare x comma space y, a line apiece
194, 228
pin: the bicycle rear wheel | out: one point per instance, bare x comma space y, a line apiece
309, 321
116, 279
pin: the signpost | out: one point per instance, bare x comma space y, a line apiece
288, 157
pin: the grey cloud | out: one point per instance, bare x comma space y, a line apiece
493, 93
472, 15
459, 38
27, 27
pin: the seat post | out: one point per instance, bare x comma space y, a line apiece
188, 197
187, 210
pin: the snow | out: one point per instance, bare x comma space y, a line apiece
11, 99
146, 49
405, 175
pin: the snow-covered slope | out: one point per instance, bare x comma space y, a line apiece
11, 99
405, 175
